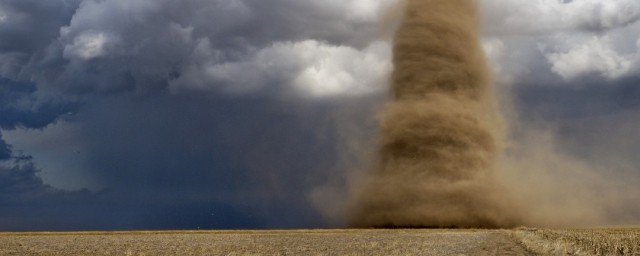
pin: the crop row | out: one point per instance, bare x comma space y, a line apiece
581, 241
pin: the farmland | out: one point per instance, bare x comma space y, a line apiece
328, 242
580, 241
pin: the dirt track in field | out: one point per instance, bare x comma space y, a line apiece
294, 242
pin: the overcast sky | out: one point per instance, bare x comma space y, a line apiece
166, 114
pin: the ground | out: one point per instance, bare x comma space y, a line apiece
292, 242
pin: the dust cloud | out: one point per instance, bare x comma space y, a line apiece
450, 153
554, 188
441, 136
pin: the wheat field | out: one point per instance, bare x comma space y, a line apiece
520, 241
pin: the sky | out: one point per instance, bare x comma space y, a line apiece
233, 114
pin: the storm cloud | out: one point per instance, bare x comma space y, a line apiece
258, 114
190, 114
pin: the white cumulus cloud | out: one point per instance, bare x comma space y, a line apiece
88, 46
593, 56
312, 68
335, 70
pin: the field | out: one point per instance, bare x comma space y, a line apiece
328, 242
580, 241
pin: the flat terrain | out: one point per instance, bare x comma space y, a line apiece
605, 241
298, 242
329, 242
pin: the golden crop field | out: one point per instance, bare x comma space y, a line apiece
328, 242
580, 241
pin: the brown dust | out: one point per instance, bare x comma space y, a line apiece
441, 135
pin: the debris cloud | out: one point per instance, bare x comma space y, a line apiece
441, 135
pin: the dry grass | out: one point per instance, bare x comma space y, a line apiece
329, 242
293, 242
580, 241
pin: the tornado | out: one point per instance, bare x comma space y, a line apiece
441, 133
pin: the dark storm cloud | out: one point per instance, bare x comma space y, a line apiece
27, 28
30, 25
24, 197
20, 107
151, 91
262, 156
593, 116
19, 175
586, 97
26, 204
189, 161
115, 46
5, 150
